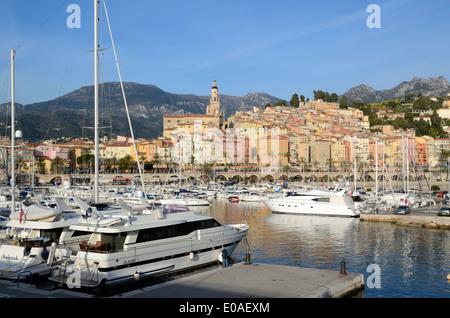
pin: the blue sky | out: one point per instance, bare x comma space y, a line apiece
278, 47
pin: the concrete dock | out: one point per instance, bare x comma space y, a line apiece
239, 280
257, 281
431, 221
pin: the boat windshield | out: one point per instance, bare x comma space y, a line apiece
174, 208
53, 234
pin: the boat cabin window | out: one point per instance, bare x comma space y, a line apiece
114, 242
322, 199
53, 234
174, 230
80, 233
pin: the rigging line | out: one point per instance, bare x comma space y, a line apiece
4, 75
8, 109
125, 101
1, 88
42, 24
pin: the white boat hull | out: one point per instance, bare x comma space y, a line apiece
293, 205
187, 202
159, 257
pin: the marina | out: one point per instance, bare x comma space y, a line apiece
411, 261
254, 214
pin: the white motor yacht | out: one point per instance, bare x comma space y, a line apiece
130, 246
182, 200
318, 202
250, 197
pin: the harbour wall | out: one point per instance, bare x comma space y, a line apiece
431, 222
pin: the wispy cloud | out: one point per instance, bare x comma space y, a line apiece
358, 16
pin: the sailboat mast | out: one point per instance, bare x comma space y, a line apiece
96, 178
13, 129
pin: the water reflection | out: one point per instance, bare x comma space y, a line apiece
414, 262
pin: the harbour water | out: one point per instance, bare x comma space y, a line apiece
396, 261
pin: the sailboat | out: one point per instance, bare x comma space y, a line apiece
127, 245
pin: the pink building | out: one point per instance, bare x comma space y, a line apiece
52, 151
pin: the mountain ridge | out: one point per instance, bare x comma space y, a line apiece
432, 86
72, 114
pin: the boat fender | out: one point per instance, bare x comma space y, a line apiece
191, 255
137, 276
44, 253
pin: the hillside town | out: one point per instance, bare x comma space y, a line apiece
315, 136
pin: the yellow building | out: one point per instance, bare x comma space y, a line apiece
117, 150
337, 152
214, 118
273, 151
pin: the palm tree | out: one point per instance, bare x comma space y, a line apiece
286, 169
155, 160
57, 163
86, 160
316, 165
40, 161
302, 162
125, 163
109, 164
20, 164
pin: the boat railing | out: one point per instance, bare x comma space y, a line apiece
22, 273
102, 247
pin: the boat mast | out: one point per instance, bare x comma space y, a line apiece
13, 128
376, 170
96, 178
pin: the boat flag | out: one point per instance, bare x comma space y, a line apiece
21, 214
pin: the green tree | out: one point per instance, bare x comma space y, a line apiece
40, 162
422, 103
125, 163
319, 95
86, 161
110, 164
281, 103
334, 98
57, 163
294, 100
302, 98
343, 103
409, 97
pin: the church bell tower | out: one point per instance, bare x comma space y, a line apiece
213, 107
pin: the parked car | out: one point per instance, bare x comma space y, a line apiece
403, 209
445, 211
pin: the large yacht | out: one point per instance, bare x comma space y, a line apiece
319, 202
128, 246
